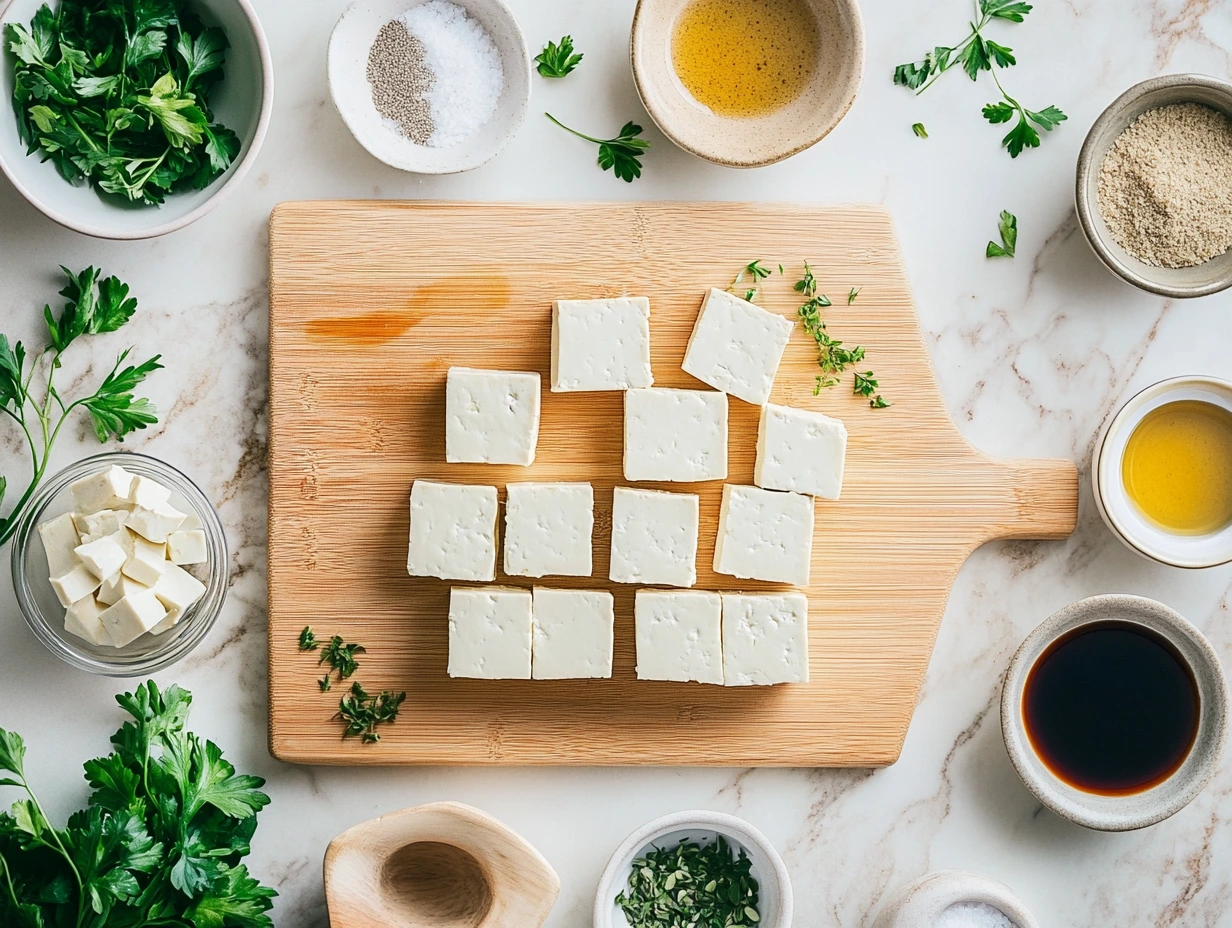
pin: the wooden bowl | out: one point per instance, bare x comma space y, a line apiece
760, 140
442, 865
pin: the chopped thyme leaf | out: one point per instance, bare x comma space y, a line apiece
307, 640
919, 130
363, 712
851, 297
325, 684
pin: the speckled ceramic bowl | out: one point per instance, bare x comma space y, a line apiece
1120, 813
1178, 283
757, 141
920, 904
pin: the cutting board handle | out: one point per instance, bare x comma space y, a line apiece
1043, 501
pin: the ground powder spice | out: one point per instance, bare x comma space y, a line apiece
1165, 187
401, 79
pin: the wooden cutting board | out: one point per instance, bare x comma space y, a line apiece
371, 302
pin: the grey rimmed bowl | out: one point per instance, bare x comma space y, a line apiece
1178, 283
1138, 810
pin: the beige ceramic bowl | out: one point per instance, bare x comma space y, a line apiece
757, 141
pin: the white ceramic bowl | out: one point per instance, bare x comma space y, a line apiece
774, 886
1122, 516
920, 904
242, 102
352, 94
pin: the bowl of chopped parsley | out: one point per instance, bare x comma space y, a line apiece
129, 119
696, 869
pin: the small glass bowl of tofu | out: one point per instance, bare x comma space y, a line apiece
120, 565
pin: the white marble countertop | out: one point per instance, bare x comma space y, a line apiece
1032, 355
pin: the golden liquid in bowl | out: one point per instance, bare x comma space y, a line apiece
1177, 467
743, 58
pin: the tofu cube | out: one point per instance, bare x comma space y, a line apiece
601, 344
147, 562
147, 494
765, 535
103, 557
171, 620
191, 521
82, 620
654, 537
187, 547
74, 585
678, 435
101, 523
765, 639
801, 451
132, 617
736, 347
548, 528
157, 523
116, 587
490, 631
679, 636
573, 634
108, 489
60, 541
491, 417
453, 531
177, 589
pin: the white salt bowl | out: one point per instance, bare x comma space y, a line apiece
920, 904
352, 94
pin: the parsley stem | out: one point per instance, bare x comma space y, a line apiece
573, 131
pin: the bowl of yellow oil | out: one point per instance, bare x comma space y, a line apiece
1162, 473
745, 83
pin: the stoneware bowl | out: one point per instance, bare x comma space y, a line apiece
443, 865
756, 141
1179, 283
774, 886
243, 102
920, 904
352, 94
1120, 813
1118, 510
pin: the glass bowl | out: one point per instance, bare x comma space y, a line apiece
43, 611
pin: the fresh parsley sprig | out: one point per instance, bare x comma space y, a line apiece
1008, 227
691, 885
555, 61
622, 154
978, 53
92, 307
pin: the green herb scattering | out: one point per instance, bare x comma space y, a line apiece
308, 639
978, 53
1008, 227
866, 385
833, 357
852, 294
621, 155
691, 885
160, 842
919, 130
755, 272
116, 93
341, 657
556, 61
363, 712
92, 307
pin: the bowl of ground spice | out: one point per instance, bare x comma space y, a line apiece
430, 86
1154, 185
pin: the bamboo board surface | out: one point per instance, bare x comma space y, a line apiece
371, 303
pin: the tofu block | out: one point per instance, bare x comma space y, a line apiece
548, 528
147, 562
74, 585
82, 620
765, 535
191, 521
736, 347
654, 537
132, 617
678, 435
108, 489
490, 633
101, 523
491, 417
187, 547
801, 451
573, 634
453, 531
679, 636
765, 639
116, 587
60, 541
177, 588
171, 620
147, 494
601, 344
155, 524
103, 557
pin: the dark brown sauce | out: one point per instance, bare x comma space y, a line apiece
1111, 708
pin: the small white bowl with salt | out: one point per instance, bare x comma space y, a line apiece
954, 899
430, 86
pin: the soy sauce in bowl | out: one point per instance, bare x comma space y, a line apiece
1111, 708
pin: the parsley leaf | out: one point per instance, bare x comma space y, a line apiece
1008, 227
622, 154
341, 657
308, 640
557, 60
363, 712
919, 130
114, 409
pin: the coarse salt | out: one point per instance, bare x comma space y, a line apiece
973, 915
